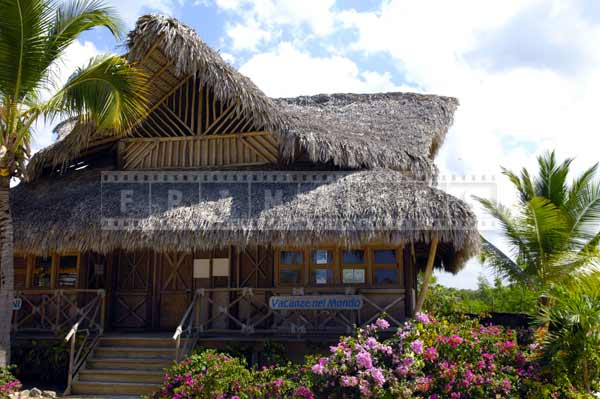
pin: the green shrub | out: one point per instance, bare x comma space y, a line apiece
210, 375
572, 345
8, 383
42, 361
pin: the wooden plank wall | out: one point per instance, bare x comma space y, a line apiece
254, 148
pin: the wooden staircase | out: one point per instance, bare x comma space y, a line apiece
125, 365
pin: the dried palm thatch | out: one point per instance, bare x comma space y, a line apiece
346, 209
401, 131
190, 54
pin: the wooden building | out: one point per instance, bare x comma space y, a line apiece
345, 214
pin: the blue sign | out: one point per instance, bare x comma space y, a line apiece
316, 302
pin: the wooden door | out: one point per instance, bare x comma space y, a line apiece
175, 286
132, 295
256, 267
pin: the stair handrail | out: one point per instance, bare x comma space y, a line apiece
186, 325
93, 332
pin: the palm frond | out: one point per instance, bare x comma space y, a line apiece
585, 213
23, 43
580, 183
522, 184
109, 92
552, 180
73, 18
500, 263
508, 225
543, 228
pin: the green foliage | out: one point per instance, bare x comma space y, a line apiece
555, 229
448, 302
572, 345
109, 92
208, 374
42, 361
272, 353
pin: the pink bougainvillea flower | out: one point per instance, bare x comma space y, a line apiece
417, 346
422, 318
382, 323
431, 354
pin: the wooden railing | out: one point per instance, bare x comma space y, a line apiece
90, 327
221, 312
80, 311
186, 330
55, 311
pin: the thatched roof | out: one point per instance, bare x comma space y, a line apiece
346, 208
401, 131
180, 44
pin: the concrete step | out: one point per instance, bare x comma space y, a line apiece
146, 342
113, 388
120, 363
116, 375
134, 352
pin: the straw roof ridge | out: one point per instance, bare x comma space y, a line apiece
356, 207
395, 130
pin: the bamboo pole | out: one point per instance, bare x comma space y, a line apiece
428, 272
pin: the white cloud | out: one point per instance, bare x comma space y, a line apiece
287, 71
247, 36
258, 18
130, 10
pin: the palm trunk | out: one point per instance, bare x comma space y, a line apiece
7, 271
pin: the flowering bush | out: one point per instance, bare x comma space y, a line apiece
213, 375
8, 383
431, 359
426, 359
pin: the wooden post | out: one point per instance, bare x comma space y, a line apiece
102, 294
428, 272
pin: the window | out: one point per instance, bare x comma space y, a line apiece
291, 264
67, 271
291, 258
385, 267
321, 267
353, 266
42, 272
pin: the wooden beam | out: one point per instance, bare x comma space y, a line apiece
151, 50
428, 272
156, 75
219, 121
172, 114
211, 137
258, 149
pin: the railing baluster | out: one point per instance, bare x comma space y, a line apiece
89, 315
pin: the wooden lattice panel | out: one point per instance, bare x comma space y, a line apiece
192, 109
254, 148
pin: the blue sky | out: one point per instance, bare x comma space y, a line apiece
526, 72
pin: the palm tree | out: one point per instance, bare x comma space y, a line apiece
555, 228
108, 93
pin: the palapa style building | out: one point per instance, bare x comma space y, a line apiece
226, 214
